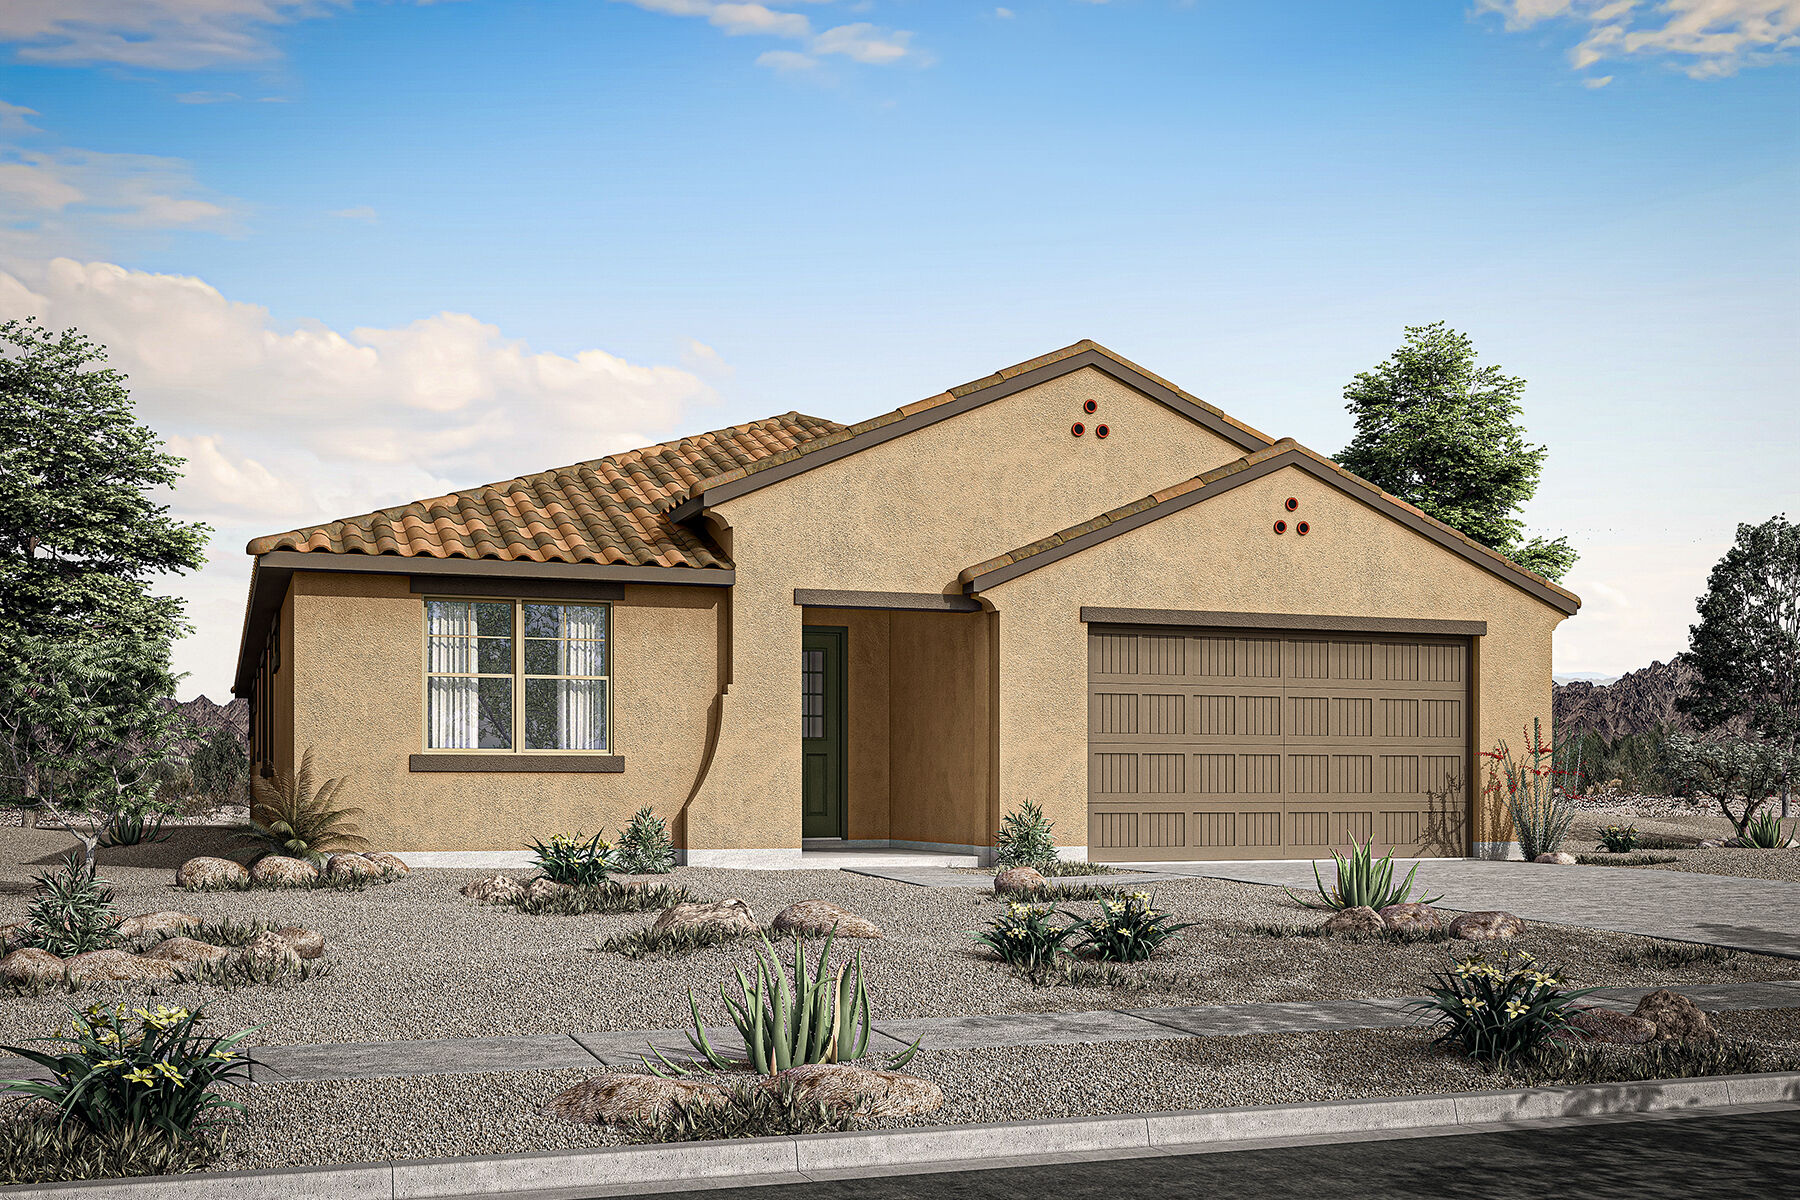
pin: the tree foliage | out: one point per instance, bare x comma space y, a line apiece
1737, 774
1746, 647
1441, 432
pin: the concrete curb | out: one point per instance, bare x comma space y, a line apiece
787, 1158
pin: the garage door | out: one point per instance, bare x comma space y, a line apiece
1218, 743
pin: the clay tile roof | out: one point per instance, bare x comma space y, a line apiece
1320, 465
608, 510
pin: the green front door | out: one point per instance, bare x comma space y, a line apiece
822, 732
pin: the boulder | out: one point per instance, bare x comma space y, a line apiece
268, 949
1410, 916
277, 870
817, 918
1605, 1025
352, 866
1019, 880
612, 1099
1357, 921
116, 966
203, 874
387, 862
1558, 858
1710, 843
730, 917
14, 931
849, 1088
1486, 927
157, 922
1677, 1019
186, 950
498, 890
304, 942
544, 888
31, 965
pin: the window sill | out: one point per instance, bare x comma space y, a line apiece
605, 764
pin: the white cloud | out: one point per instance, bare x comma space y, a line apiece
13, 118
1706, 38
163, 34
1005, 14
207, 97
859, 41
360, 212
286, 426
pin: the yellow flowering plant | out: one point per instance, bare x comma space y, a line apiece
1496, 1010
118, 1069
1131, 929
1029, 938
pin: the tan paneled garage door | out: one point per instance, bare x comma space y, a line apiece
1227, 743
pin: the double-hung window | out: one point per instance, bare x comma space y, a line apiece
520, 676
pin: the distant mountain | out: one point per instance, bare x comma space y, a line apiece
1636, 702
1593, 677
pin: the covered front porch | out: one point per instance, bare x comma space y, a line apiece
897, 733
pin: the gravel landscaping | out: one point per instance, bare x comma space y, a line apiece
414, 959
373, 1120
1744, 864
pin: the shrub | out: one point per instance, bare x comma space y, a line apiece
641, 943
1025, 838
1362, 881
1567, 1061
644, 847
1532, 792
1737, 774
1664, 955
1629, 860
289, 817
609, 897
134, 827
1764, 832
140, 1069
1029, 938
1128, 930
72, 913
1619, 839
1068, 891
574, 862
220, 767
1496, 1011
746, 1111
821, 1019
42, 1150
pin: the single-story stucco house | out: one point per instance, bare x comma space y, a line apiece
1070, 582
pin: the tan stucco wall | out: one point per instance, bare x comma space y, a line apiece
940, 728
357, 658
908, 516
1222, 556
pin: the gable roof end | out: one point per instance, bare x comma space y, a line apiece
849, 440
1216, 482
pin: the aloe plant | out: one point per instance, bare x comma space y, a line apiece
1363, 881
1764, 831
822, 1018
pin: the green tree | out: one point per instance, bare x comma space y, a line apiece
82, 719
221, 767
80, 534
1746, 648
1442, 433
81, 537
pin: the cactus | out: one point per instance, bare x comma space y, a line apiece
820, 1018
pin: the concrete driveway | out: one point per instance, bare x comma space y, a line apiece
1760, 915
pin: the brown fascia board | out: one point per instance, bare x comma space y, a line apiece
269, 575
1177, 618
913, 417
1285, 453
891, 601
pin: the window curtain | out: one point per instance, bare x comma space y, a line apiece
581, 706
453, 702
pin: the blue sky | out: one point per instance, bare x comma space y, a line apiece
357, 253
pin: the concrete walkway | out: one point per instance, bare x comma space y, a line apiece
454, 1056
1760, 915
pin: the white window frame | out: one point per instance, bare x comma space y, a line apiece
518, 676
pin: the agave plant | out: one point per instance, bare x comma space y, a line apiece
1764, 832
1363, 881
821, 1019
288, 816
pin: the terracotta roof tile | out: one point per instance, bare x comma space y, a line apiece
608, 510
